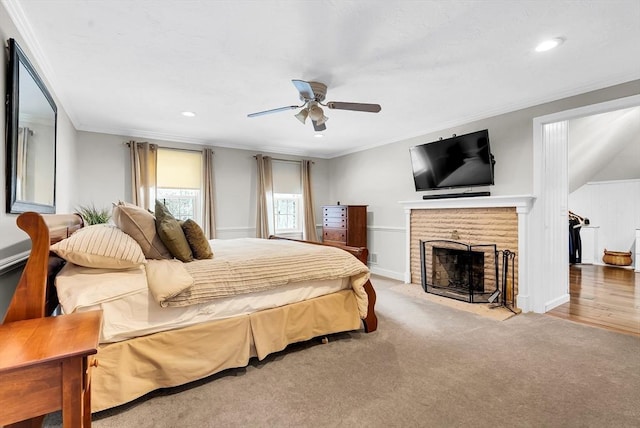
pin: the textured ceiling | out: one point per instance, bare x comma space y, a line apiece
130, 67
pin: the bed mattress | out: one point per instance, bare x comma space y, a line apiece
130, 310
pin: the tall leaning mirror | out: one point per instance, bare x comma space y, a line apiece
30, 138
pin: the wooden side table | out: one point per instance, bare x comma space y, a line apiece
45, 366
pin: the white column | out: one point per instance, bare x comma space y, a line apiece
555, 251
407, 269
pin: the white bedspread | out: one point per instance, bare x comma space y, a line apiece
249, 265
130, 310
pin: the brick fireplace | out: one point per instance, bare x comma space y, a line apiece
459, 271
499, 220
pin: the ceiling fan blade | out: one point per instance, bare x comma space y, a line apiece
305, 89
317, 127
275, 110
371, 108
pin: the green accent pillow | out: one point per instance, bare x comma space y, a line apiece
197, 240
171, 234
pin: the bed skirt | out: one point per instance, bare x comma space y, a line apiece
130, 369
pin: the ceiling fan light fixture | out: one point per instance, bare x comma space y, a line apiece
322, 120
302, 115
316, 113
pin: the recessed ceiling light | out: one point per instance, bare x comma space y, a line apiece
188, 114
549, 44
318, 135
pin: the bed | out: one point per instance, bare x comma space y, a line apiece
182, 342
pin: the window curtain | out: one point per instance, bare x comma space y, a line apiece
21, 163
309, 231
208, 194
144, 157
264, 198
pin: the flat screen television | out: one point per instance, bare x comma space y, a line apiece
459, 161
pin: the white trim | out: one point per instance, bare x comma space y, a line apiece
387, 273
537, 293
39, 60
164, 136
618, 104
9, 262
407, 246
522, 204
505, 109
560, 300
234, 229
386, 228
628, 180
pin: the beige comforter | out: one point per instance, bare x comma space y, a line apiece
249, 265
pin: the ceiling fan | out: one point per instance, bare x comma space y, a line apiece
312, 95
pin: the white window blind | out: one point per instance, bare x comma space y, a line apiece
179, 169
179, 182
286, 177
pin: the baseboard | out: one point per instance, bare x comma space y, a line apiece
387, 273
556, 302
524, 303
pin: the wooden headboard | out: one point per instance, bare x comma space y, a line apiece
30, 298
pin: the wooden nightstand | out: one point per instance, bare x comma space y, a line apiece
45, 366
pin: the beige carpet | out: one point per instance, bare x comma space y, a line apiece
428, 365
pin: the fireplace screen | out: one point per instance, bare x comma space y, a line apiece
460, 271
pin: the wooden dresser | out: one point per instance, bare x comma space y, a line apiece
345, 225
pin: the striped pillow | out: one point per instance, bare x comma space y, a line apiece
100, 246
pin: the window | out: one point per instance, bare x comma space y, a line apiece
180, 182
287, 197
287, 212
184, 204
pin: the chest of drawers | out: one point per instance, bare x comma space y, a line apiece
345, 225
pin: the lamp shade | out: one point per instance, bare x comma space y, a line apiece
322, 120
302, 115
315, 112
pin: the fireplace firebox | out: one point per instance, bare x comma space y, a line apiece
460, 271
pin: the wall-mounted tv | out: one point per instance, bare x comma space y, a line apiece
459, 161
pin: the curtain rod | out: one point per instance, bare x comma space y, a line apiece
284, 160
128, 144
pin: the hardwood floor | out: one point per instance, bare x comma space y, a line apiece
603, 296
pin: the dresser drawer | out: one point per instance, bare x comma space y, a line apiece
335, 223
335, 235
335, 212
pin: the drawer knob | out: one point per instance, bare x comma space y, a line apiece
94, 362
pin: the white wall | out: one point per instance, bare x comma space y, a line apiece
604, 180
604, 147
381, 176
12, 239
613, 208
66, 142
104, 166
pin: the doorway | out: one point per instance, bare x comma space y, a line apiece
548, 272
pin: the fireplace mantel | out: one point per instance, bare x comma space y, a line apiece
522, 203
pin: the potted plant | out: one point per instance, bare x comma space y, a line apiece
92, 215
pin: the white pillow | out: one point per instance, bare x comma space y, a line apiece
100, 246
